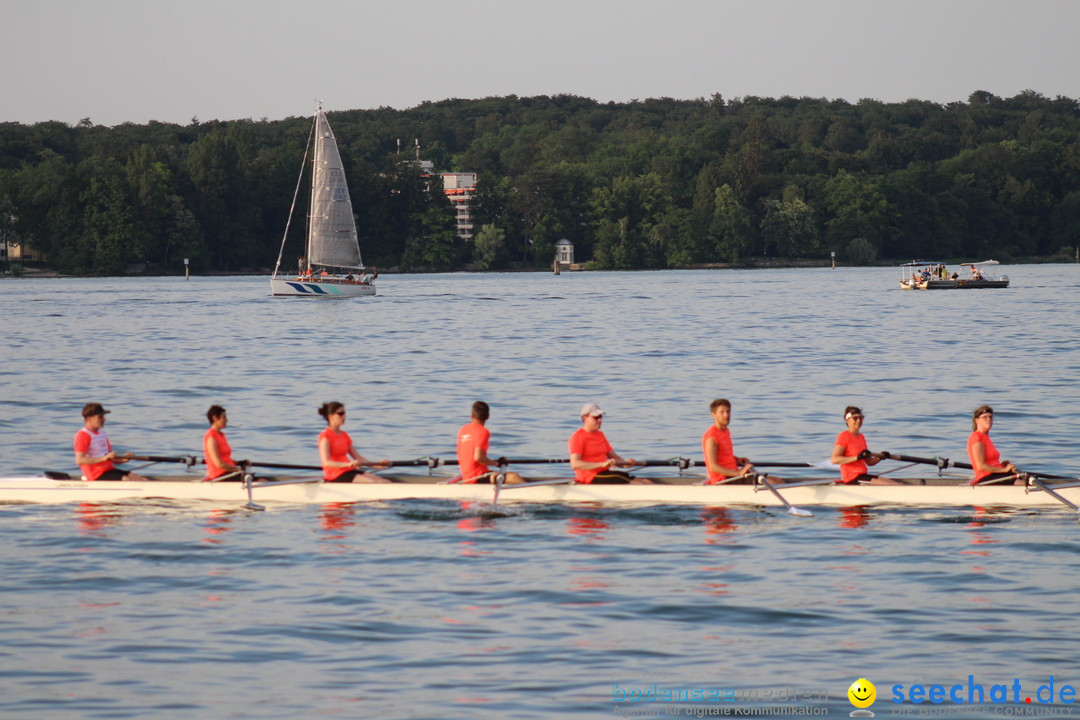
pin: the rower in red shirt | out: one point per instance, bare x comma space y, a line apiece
851, 455
985, 458
216, 449
340, 460
591, 455
720, 459
94, 453
473, 441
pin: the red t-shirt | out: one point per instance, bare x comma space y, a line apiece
471, 436
852, 445
340, 442
993, 457
94, 444
725, 455
592, 447
224, 452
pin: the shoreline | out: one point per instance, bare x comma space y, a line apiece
752, 264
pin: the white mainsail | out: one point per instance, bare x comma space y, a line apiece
332, 239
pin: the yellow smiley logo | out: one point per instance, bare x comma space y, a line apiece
862, 693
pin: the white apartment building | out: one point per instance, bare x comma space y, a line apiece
460, 187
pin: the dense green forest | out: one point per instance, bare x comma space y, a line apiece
654, 183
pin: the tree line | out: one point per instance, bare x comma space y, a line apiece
653, 183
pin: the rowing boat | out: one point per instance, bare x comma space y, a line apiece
916, 492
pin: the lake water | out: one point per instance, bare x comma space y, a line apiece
422, 609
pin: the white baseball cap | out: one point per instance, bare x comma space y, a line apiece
591, 409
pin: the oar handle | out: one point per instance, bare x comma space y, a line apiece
1047, 476
682, 463
428, 462
678, 462
277, 466
783, 464
188, 460
290, 466
434, 462
940, 462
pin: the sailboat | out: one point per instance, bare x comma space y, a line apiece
331, 266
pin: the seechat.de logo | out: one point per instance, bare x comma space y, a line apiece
862, 695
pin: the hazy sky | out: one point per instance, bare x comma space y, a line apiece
117, 61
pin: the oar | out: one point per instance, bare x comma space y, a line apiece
792, 510
428, 462
249, 482
1047, 476
419, 462
538, 483
188, 460
785, 464
939, 462
434, 462
500, 461
278, 466
683, 463
725, 481
1037, 482
679, 462
809, 483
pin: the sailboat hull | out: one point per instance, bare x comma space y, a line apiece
320, 288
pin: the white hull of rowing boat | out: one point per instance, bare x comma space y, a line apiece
45, 490
312, 288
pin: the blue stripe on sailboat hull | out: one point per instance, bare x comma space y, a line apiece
301, 287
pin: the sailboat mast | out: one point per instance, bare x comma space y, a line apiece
315, 156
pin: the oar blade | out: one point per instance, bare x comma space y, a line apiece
792, 510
